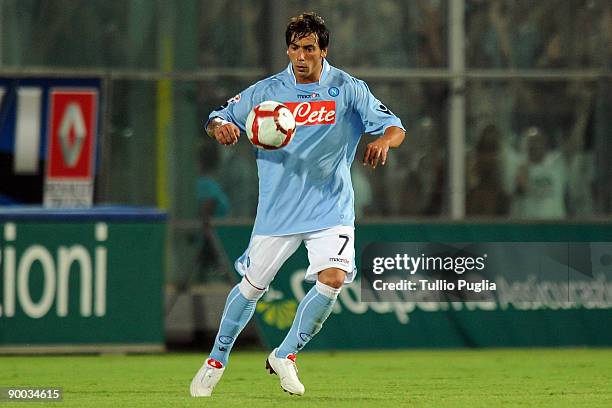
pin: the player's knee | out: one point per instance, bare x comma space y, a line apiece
250, 291
333, 277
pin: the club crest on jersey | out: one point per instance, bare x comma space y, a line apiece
313, 113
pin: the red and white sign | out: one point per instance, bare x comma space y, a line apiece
71, 146
72, 132
313, 113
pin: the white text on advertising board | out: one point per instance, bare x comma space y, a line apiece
56, 268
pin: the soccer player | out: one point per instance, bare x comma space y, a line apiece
305, 193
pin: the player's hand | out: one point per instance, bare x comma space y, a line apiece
376, 152
227, 134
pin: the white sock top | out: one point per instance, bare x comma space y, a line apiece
327, 291
249, 291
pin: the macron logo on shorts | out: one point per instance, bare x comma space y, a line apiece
313, 113
341, 260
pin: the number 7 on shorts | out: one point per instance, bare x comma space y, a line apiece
346, 240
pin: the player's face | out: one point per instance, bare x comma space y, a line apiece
306, 58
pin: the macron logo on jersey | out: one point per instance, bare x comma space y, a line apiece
313, 113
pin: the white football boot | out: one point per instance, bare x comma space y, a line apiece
287, 371
206, 378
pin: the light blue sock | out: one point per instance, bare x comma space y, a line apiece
236, 314
309, 318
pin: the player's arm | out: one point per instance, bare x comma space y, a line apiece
377, 150
225, 122
379, 121
223, 131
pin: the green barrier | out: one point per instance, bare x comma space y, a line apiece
81, 283
412, 324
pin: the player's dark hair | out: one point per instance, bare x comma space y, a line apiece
305, 24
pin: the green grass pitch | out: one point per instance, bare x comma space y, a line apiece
422, 378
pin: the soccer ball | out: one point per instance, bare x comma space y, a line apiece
270, 125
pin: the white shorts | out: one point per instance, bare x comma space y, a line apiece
329, 248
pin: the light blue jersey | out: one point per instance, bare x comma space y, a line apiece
306, 186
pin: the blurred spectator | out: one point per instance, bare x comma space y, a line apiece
213, 203
573, 130
581, 185
213, 200
433, 165
602, 149
414, 179
403, 189
240, 179
414, 195
541, 180
486, 195
422, 189
372, 198
579, 153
